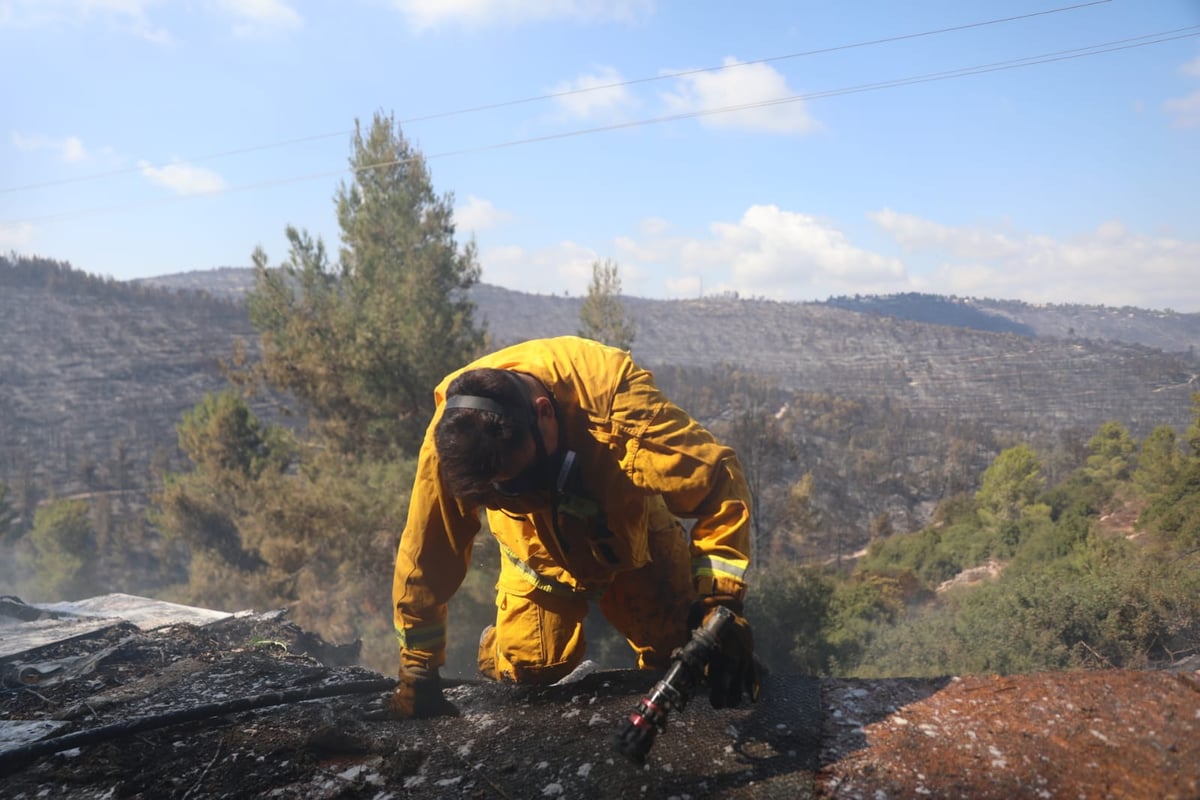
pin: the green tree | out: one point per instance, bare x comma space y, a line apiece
793, 605
1011, 483
265, 529
230, 450
860, 608
64, 551
362, 344
1110, 454
801, 518
1175, 512
1193, 431
1159, 461
225, 440
602, 315
310, 520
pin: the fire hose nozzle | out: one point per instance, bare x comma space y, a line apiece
674, 690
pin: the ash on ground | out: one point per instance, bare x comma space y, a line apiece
273, 722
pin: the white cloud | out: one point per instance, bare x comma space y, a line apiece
427, 14
73, 149
688, 286
772, 252
654, 226
27, 143
769, 252
915, 234
16, 235
251, 17
260, 17
69, 149
183, 178
1184, 110
786, 255
593, 95
479, 215
127, 16
1111, 265
753, 88
565, 266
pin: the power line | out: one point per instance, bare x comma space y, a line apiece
1144, 40
565, 93
767, 60
1061, 55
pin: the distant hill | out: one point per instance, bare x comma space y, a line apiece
1169, 331
1004, 362
230, 283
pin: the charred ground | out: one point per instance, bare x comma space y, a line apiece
1119, 734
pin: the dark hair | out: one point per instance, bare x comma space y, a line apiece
475, 445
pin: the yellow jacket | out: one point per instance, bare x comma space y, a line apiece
631, 443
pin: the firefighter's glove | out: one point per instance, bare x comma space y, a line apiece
418, 695
733, 671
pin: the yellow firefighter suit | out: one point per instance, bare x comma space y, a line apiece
611, 534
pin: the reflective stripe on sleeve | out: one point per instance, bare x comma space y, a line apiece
710, 566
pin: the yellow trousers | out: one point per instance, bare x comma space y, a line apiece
538, 636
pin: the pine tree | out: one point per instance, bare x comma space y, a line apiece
1159, 462
1010, 484
362, 344
309, 521
1193, 431
64, 551
602, 315
1110, 453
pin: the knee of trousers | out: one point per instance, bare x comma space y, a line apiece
537, 639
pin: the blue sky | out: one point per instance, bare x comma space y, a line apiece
788, 150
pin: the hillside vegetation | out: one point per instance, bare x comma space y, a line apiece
1101, 569
99, 373
97, 378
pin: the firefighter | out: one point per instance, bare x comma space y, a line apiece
585, 470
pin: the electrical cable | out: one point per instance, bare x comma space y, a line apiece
1027, 61
561, 94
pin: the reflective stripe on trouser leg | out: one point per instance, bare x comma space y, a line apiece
649, 606
538, 637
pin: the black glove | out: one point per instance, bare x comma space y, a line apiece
418, 695
733, 670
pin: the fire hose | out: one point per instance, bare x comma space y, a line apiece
672, 693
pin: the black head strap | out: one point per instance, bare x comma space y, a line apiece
475, 402
488, 404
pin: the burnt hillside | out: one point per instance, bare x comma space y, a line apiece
1013, 365
96, 373
1013, 382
